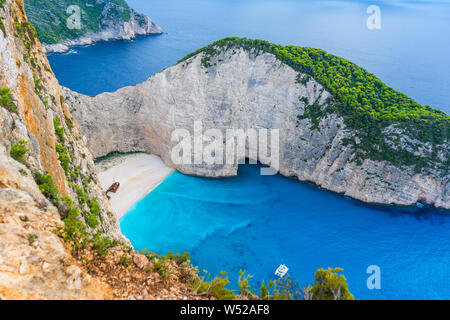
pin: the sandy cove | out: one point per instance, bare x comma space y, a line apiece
138, 174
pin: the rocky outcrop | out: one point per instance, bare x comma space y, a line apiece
58, 239
242, 90
100, 21
121, 31
34, 262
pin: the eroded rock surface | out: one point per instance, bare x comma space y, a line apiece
243, 90
101, 20
34, 261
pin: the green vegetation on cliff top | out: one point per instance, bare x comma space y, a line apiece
50, 16
366, 104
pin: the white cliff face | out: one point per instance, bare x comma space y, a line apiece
113, 30
242, 90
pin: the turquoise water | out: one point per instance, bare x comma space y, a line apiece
255, 223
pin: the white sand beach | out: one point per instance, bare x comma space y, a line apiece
138, 174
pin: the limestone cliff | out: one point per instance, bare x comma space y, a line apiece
58, 238
41, 151
243, 88
101, 20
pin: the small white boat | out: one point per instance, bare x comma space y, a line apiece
281, 271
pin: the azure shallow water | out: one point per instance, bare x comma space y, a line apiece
256, 223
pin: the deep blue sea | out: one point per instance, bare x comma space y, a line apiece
410, 53
255, 222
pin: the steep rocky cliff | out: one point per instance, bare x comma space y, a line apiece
42, 153
100, 20
228, 85
58, 237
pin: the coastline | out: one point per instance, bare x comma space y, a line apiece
66, 46
126, 31
138, 175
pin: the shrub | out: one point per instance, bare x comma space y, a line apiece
63, 157
163, 270
151, 255
91, 220
287, 288
69, 122
215, 287
125, 261
74, 230
19, 150
82, 196
74, 174
59, 131
102, 245
37, 85
31, 237
65, 205
180, 259
6, 100
47, 187
264, 291
94, 207
244, 286
329, 285
281, 289
2, 26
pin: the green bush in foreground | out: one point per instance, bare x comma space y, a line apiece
19, 150
6, 100
91, 220
125, 260
74, 230
47, 187
59, 131
102, 245
329, 285
63, 157
215, 287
